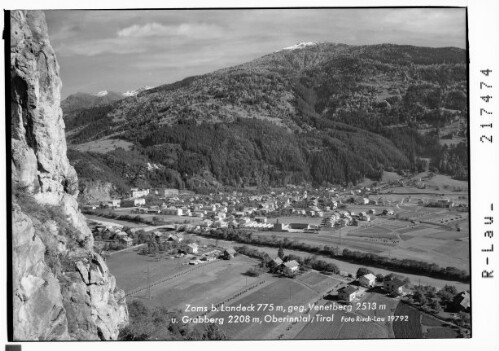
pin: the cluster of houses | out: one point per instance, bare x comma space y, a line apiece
443, 203
237, 209
296, 200
311, 203
208, 256
346, 218
192, 248
112, 235
393, 287
288, 267
349, 293
137, 198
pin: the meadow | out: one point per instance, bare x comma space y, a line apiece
283, 292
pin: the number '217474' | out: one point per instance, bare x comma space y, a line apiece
483, 112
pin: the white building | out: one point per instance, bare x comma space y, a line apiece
136, 192
367, 280
173, 211
192, 248
292, 266
139, 202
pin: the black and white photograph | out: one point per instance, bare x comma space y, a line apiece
242, 174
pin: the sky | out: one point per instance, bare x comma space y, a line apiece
128, 49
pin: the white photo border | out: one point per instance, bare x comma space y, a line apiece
483, 32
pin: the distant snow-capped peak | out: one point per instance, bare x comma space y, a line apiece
300, 45
135, 92
102, 93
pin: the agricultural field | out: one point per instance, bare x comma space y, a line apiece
330, 237
322, 331
318, 281
283, 292
162, 217
207, 284
355, 330
376, 232
296, 219
441, 243
367, 330
420, 325
342, 265
130, 269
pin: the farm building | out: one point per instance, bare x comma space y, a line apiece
277, 261
229, 253
280, 227
172, 211
175, 237
154, 209
462, 301
186, 211
367, 280
291, 266
114, 203
394, 286
133, 202
261, 219
125, 240
365, 217
170, 192
136, 192
445, 203
362, 201
192, 248
347, 293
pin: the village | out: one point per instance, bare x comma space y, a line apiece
315, 209
155, 239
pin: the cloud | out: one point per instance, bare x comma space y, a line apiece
120, 49
146, 30
98, 47
187, 30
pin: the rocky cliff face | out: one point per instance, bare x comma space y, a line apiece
95, 191
62, 288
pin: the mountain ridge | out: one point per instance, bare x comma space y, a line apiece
317, 93
81, 100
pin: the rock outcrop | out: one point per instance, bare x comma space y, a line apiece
96, 191
62, 288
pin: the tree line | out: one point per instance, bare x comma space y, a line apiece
400, 265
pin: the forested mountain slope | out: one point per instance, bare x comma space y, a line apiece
322, 113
